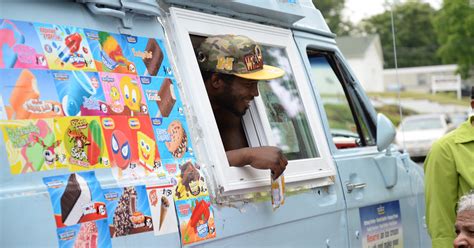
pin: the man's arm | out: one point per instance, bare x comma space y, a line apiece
441, 194
265, 157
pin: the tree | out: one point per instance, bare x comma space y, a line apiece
454, 25
414, 33
332, 12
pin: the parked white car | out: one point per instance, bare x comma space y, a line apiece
417, 133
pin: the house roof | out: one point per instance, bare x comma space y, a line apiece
355, 47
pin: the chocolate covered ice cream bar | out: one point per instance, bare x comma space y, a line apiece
76, 195
153, 62
167, 97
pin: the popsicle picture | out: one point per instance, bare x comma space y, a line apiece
20, 46
65, 47
83, 142
29, 94
80, 93
110, 52
31, 145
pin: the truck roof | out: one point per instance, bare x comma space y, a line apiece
299, 15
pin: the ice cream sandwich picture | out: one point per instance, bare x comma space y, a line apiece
167, 97
179, 140
149, 56
76, 198
153, 57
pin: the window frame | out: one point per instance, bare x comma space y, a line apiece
352, 94
231, 180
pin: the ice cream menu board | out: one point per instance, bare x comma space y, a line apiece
86, 99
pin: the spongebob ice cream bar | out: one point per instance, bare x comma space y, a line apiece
146, 151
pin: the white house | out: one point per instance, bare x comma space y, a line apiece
365, 57
424, 78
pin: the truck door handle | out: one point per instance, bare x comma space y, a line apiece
351, 186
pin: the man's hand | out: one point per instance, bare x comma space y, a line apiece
265, 157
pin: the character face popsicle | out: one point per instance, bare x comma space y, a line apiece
120, 149
146, 149
131, 93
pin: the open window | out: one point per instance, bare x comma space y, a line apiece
283, 115
349, 122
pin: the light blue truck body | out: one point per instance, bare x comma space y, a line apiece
327, 216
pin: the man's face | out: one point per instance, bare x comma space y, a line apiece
464, 229
238, 94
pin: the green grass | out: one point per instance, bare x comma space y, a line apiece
442, 97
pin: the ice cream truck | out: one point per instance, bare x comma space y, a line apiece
109, 138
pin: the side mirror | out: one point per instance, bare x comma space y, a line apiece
385, 132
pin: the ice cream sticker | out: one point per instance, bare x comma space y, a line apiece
191, 183
196, 219
133, 152
162, 209
83, 142
65, 47
31, 145
123, 94
80, 93
149, 56
29, 94
111, 53
129, 211
171, 135
20, 46
76, 198
162, 98
90, 234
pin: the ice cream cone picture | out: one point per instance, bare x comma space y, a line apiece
162, 209
165, 204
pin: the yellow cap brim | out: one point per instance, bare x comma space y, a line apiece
267, 73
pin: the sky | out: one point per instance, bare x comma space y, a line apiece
357, 10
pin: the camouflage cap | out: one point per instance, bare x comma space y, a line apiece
237, 55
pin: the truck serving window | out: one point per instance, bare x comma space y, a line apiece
284, 114
348, 121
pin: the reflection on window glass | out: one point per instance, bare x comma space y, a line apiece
284, 109
341, 122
